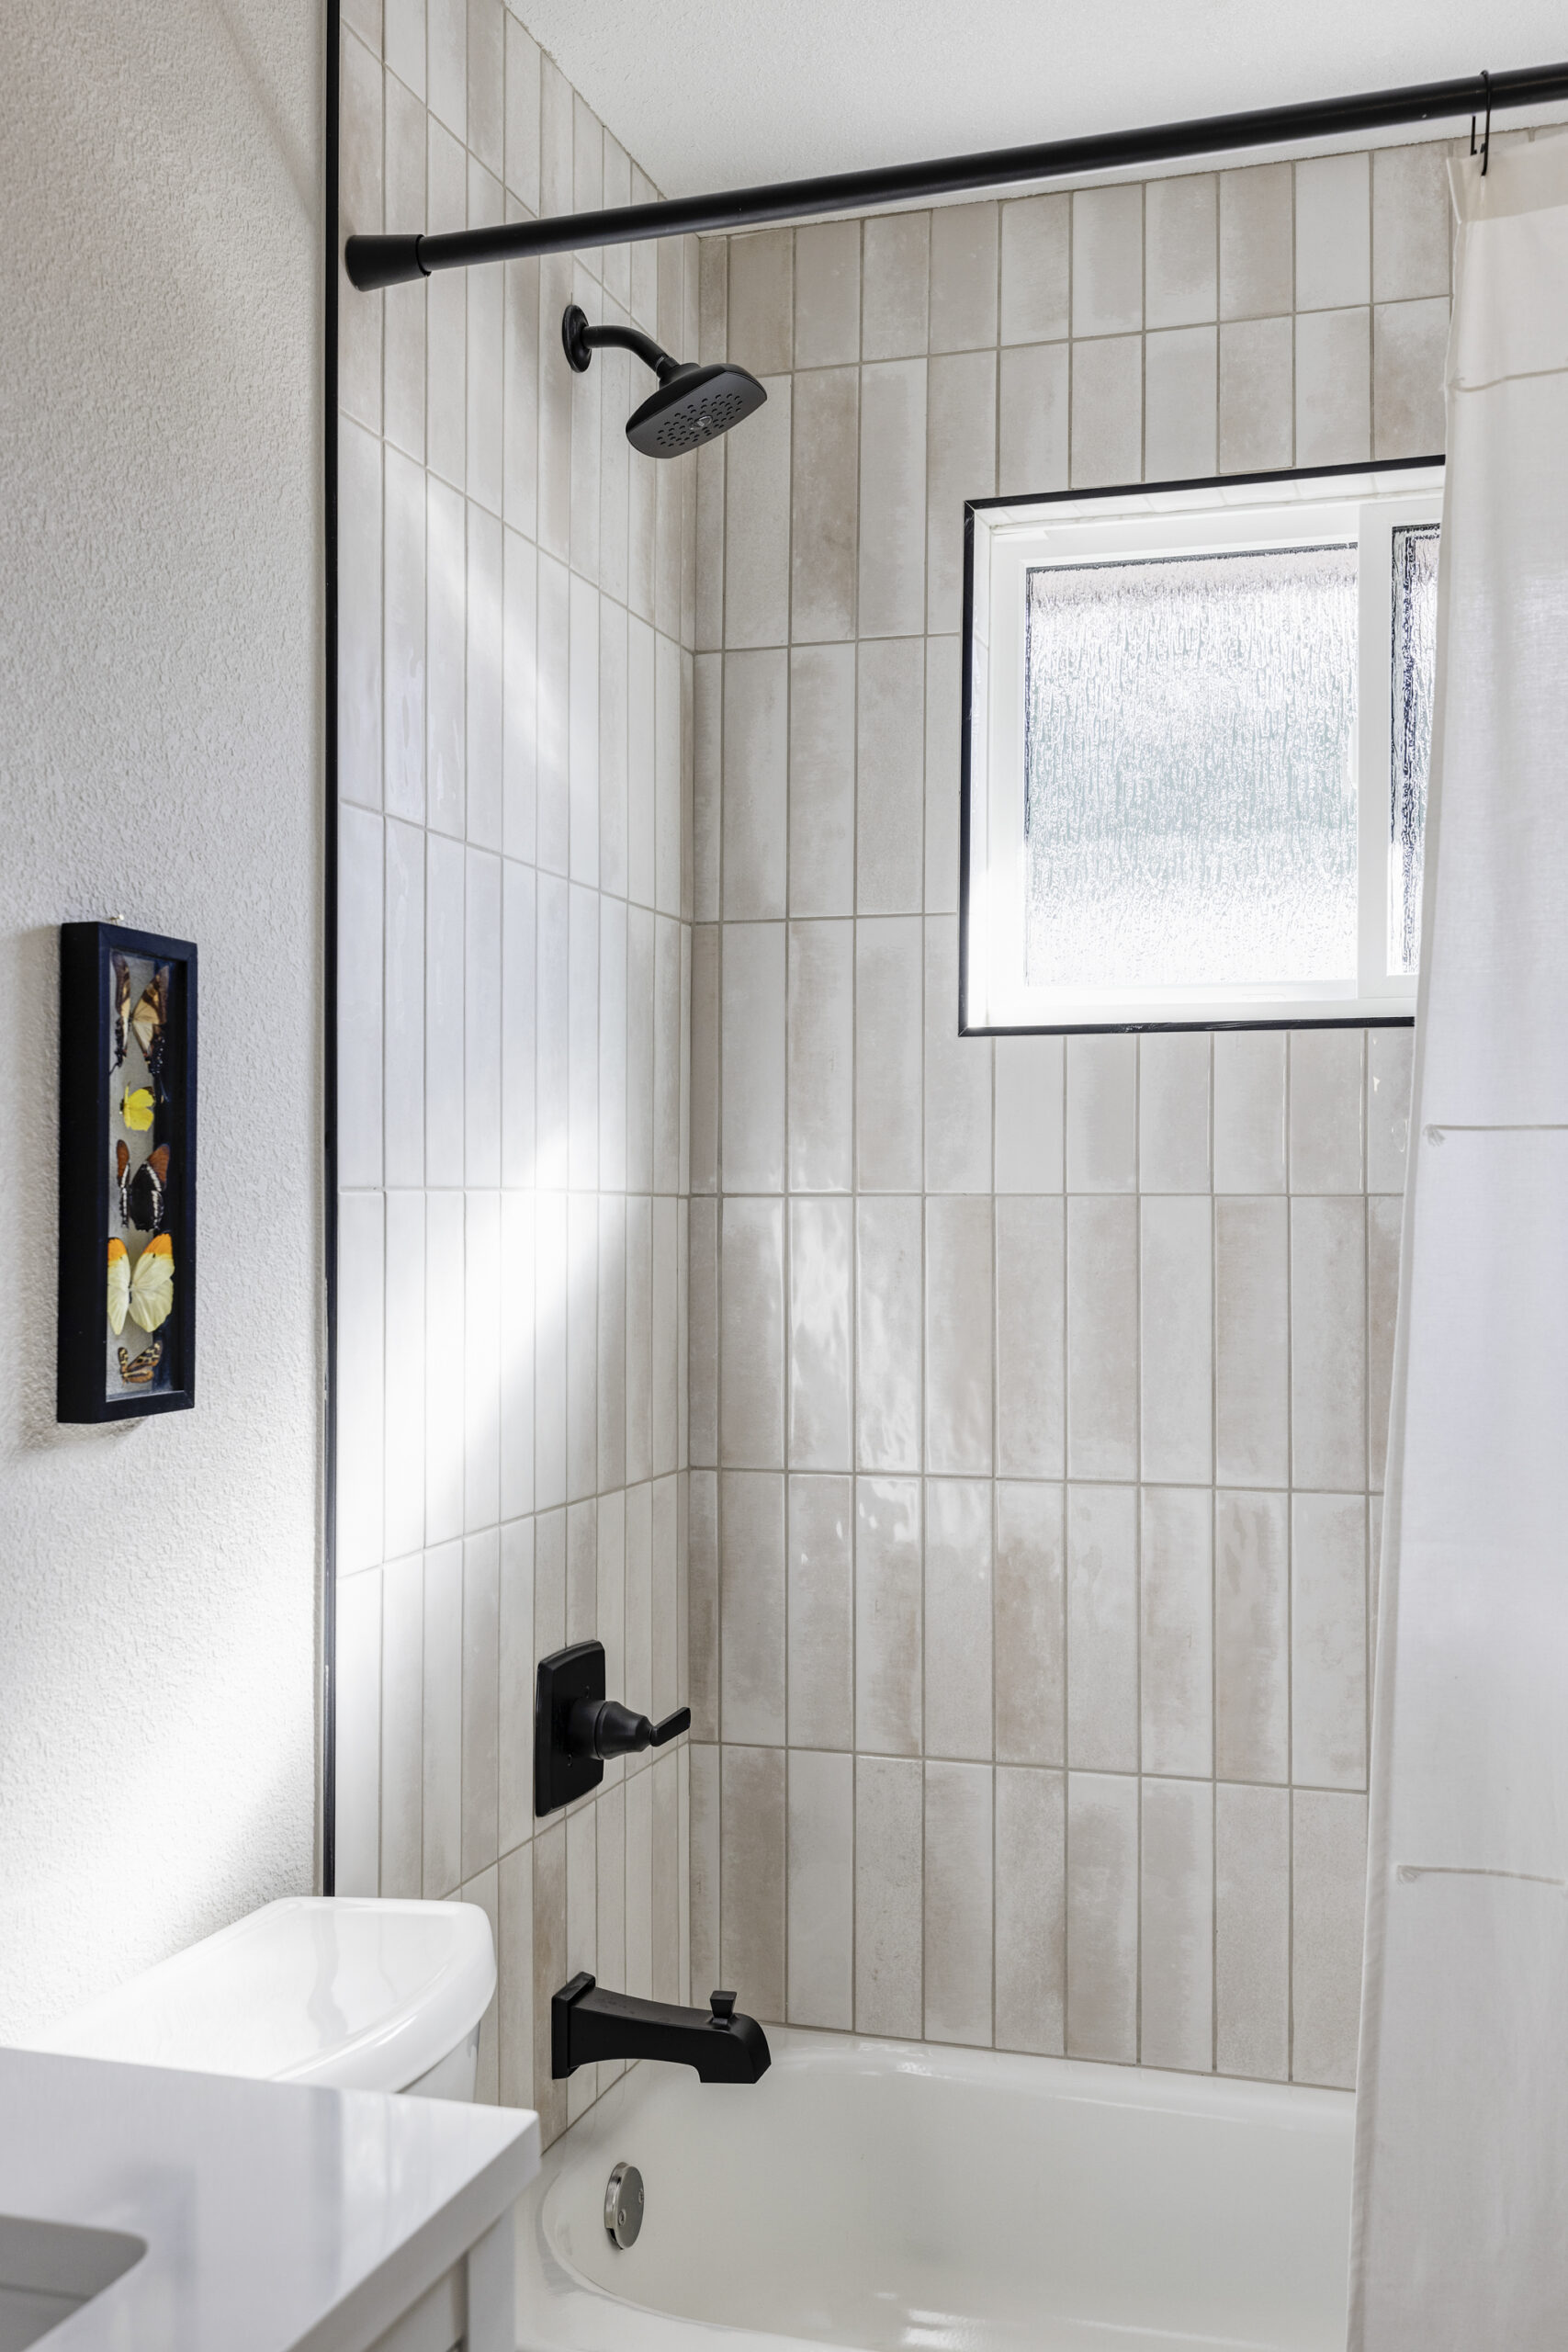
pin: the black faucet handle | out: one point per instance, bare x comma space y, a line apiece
722, 2007
673, 1726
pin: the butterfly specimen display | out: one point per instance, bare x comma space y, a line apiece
137, 1370
146, 1291
149, 1027
146, 1191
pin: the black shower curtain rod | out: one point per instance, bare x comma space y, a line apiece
391, 261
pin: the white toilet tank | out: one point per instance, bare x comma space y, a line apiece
359, 1993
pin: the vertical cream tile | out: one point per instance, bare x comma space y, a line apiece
1181, 405
1326, 1110
964, 278
1328, 1343
1182, 251
1107, 260
1411, 223
515, 1968
821, 1613
582, 1571
1333, 387
360, 687
1250, 1110
484, 747
1103, 1337
823, 500
549, 1971
582, 733
751, 1606
519, 966
961, 464
1328, 1859
1102, 1916
1030, 1627
1035, 260
611, 1892
484, 1892
486, 338
752, 1834
1251, 1637
515, 1655
1329, 1641
521, 101
756, 525
958, 1902
826, 294
481, 1700
821, 1056
1031, 1911
481, 1026
1028, 1114
957, 1076
1383, 1219
1252, 1342
1107, 410
1333, 232
1032, 417
822, 689
888, 1616
1173, 1114
446, 309
639, 1598
443, 1446
552, 804
958, 1618
556, 175
447, 36
404, 41
761, 268
1031, 1390
520, 418
553, 1031
821, 1298
1388, 1107
1176, 1650
582, 1338
358, 1615
889, 776
446, 587
896, 284
403, 643
1176, 1953
1409, 347
889, 957
558, 401
587, 164
482, 1362
708, 770
611, 1353
705, 1875
1102, 1629
959, 1372
1252, 1931
402, 1726
1257, 241
1257, 395
887, 1333
703, 1692
360, 206
1102, 1114
614, 690
582, 1039
753, 1122
442, 1743
1177, 1354
360, 999
821, 1890
582, 1930
892, 591
756, 789
639, 1883
610, 1111
549, 1349
889, 1835
405, 1423
667, 1881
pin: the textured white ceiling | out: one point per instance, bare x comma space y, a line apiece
714, 94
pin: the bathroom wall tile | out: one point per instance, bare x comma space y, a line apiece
824, 490
889, 776
762, 266
1176, 1295
360, 209
958, 1618
1251, 1342
446, 299
582, 1571
444, 1365
961, 463
610, 1347
944, 672
360, 963
358, 1599
705, 1865
1252, 1931
1102, 1629
481, 1360
964, 278
821, 1300
1107, 260
751, 1606
752, 1845
443, 1795
1030, 1368
1029, 1627
405, 1419
1175, 1955
638, 1634
552, 791
484, 750
1409, 347
1036, 233
889, 957
1031, 416
481, 1700
957, 1076
1107, 410
958, 1903
1251, 1636
821, 750
821, 1613
1103, 1337
1173, 1114
756, 797
702, 1602
516, 1657
403, 641
1257, 395
359, 692
890, 1837
1028, 1114
484, 1892
1329, 1641
639, 1883
614, 691
751, 1334
959, 1372
1180, 403
667, 1883
707, 766
1411, 223
1180, 267
404, 41
887, 1333
1388, 1107
481, 1019
896, 284
1250, 1110
446, 592
1384, 1217
665, 1333
1329, 1857
521, 113
1175, 1639
1326, 1110
588, 396
515, 1954
1333, 232
1333, 387
486, 330
1328, 1343
892, 590
519, 697
642, 787
1031, 1911
582, 733
550, 1349
1257, 241
520, 417
1102, 1916
1102, 1114
821, 1056
756, 525
826, 294
401, 1759
888, 1616
447, 35
582, 1338
752, 1120
548, 1941
821, 1890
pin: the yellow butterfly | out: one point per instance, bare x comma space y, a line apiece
147, 1291
137, 1109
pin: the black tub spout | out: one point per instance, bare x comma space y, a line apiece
586, 2024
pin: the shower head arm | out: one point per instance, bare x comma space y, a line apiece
580, 341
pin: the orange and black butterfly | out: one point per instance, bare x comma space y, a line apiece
146, 1195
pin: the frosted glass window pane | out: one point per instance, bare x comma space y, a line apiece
1190, 795
1414, 666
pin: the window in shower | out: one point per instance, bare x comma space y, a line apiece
1197, 729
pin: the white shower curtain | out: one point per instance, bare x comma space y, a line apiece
1460, 2234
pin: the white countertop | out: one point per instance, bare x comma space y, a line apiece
277, 2218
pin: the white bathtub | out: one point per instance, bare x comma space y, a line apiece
877, 2194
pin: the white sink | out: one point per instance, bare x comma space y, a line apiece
49, 2269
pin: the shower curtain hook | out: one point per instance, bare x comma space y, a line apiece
1486, 131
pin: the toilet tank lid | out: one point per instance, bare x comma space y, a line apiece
359, 1993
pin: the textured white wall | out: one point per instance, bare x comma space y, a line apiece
159, 760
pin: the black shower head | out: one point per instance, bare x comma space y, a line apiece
691, 404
